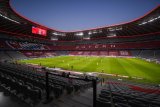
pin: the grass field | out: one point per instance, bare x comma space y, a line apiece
132, 67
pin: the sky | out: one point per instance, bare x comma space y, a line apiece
72, 15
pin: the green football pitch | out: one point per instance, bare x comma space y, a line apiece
132, 67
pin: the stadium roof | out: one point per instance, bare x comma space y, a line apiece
20, 24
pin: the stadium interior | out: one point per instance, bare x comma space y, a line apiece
34, 85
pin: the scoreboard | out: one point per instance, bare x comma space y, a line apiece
39, 31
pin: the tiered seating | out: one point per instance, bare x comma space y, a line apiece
135, 52
28, 49
37, 54
18, 87
149, 54
23, 46
26, 45
61, 52
94, 53
157, 54
4, 56
101, 53
3, 45
86, 53
126, 94
28, 85
97, 47
16, 55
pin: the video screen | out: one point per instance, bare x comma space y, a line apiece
39, 31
